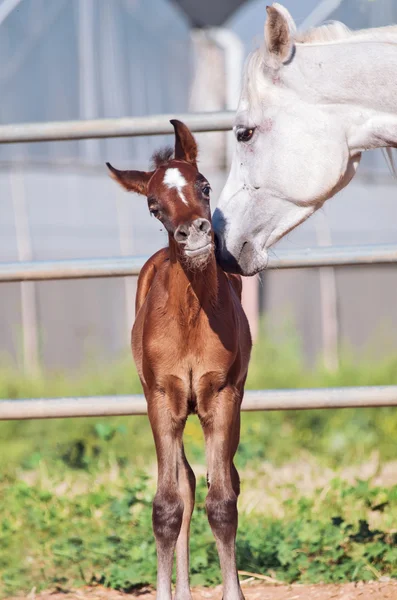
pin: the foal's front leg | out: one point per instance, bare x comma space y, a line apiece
168, 503
222, 429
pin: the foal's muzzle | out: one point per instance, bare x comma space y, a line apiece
195, 237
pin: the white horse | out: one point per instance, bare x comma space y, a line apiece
311, 103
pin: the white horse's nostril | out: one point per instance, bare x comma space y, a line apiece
242, 250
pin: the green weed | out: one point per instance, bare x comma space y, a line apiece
75, 510
334, 436
52, 538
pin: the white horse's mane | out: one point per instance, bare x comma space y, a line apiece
329, 33
332, 32
336, 31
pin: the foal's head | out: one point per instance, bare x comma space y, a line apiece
178, 196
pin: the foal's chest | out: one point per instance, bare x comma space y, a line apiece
189, 346
180, 340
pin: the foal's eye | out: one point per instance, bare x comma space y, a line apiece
153, 206
245, 134
206, 190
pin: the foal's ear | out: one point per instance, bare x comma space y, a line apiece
185, 144
280, 30
133, 181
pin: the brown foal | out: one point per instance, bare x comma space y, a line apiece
191, 344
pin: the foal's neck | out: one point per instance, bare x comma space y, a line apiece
194, 289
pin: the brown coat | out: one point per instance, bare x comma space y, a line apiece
191, 345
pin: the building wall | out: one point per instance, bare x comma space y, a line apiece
74, 210
364, 213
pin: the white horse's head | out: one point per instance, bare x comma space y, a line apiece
301, 125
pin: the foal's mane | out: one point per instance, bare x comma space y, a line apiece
161, 157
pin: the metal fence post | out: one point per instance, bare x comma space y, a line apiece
30, 337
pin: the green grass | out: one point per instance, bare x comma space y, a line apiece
99, 531
335, 436
75, 510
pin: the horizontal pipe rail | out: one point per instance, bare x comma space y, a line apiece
125, 266
57, 131
81, 268
334, 256
106, 406
131, 265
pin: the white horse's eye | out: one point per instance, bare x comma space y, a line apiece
245, 134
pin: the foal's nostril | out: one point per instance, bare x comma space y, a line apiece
202, 225
181, 233
192, 230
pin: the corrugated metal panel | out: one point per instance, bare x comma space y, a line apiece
70, 60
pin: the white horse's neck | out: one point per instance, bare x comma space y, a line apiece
355, 77
360, 73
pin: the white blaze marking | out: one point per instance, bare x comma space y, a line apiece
174, 179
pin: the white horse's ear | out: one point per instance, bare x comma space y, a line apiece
280, 30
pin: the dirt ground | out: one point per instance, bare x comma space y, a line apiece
252, 591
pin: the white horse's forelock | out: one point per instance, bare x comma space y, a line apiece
252, 78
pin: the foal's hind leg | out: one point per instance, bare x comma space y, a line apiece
235, 443
187, 488
221, 430
168, 505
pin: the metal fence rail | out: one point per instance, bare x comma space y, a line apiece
106, 128
105, 406
117, 267
131, 265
